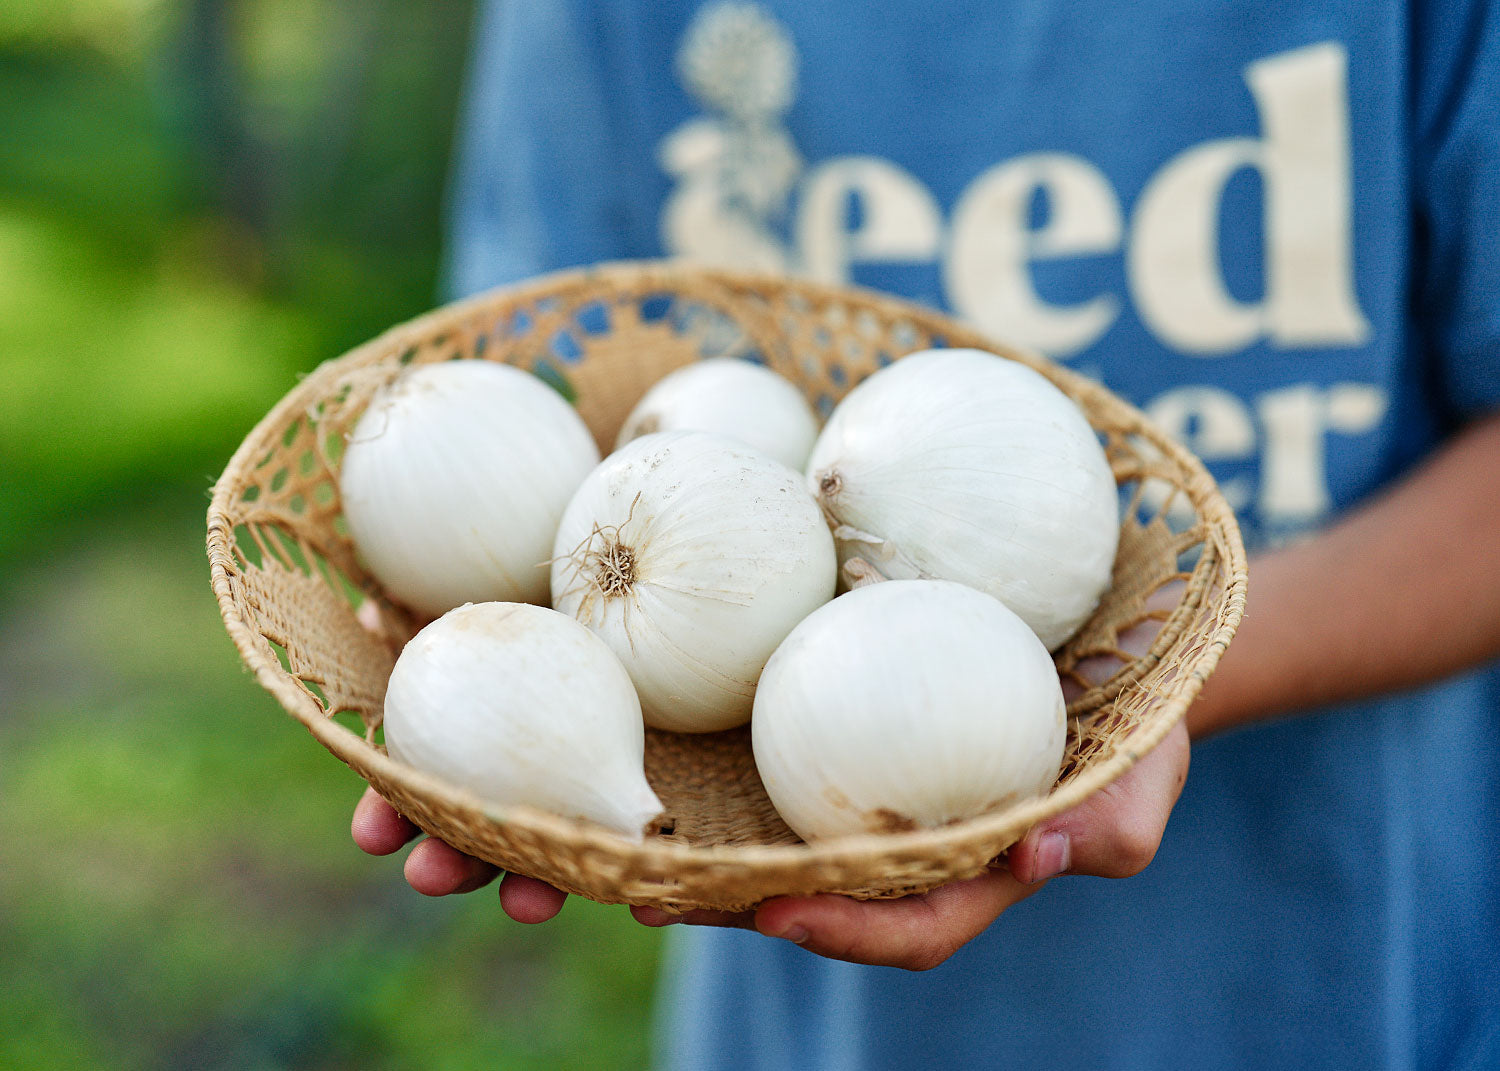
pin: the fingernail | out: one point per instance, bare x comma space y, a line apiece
794, 934
1053, 856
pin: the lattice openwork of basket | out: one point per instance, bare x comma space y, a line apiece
322, 637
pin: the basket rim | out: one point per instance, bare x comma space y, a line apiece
657, 855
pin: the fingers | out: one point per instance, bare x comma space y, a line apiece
377, 827
435, 868
529, 900
1116, 831
656, 917
432, 868
915, 932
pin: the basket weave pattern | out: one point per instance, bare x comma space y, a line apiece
322, 637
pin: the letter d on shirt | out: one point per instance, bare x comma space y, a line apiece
1303, 159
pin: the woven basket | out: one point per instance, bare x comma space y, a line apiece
322, 637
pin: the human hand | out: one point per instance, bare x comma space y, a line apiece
435, 868
1114, 834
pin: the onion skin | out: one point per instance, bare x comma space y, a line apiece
521, 705
454, 481
728, 396
906, 704
962, 465
692, 556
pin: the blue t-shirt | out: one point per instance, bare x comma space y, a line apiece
1274, 227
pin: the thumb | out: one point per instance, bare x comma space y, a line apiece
1116, 831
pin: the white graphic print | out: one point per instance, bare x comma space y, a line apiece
735, 171
1303, 161
1287, 428
988, 270
902, 221
744, 199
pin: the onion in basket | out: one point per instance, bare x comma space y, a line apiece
692, 556
455, 478
961, 465
906, 704
730, 397
522, 705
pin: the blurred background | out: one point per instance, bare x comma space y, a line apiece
199, 201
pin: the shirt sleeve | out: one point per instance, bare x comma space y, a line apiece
536, 185
1456, 99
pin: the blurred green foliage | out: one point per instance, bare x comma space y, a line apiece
199, 200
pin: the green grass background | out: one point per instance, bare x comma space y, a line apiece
199, 201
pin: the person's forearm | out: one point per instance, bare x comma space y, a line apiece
1400, 592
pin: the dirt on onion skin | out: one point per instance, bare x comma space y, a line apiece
883, 820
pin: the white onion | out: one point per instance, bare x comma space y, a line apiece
908, 703
961, 465
729, 397
454, 481
692, 556
521, 705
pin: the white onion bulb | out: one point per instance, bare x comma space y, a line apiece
729, 397
454, 480
521, 705
961, 465
692, 556
906, 704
